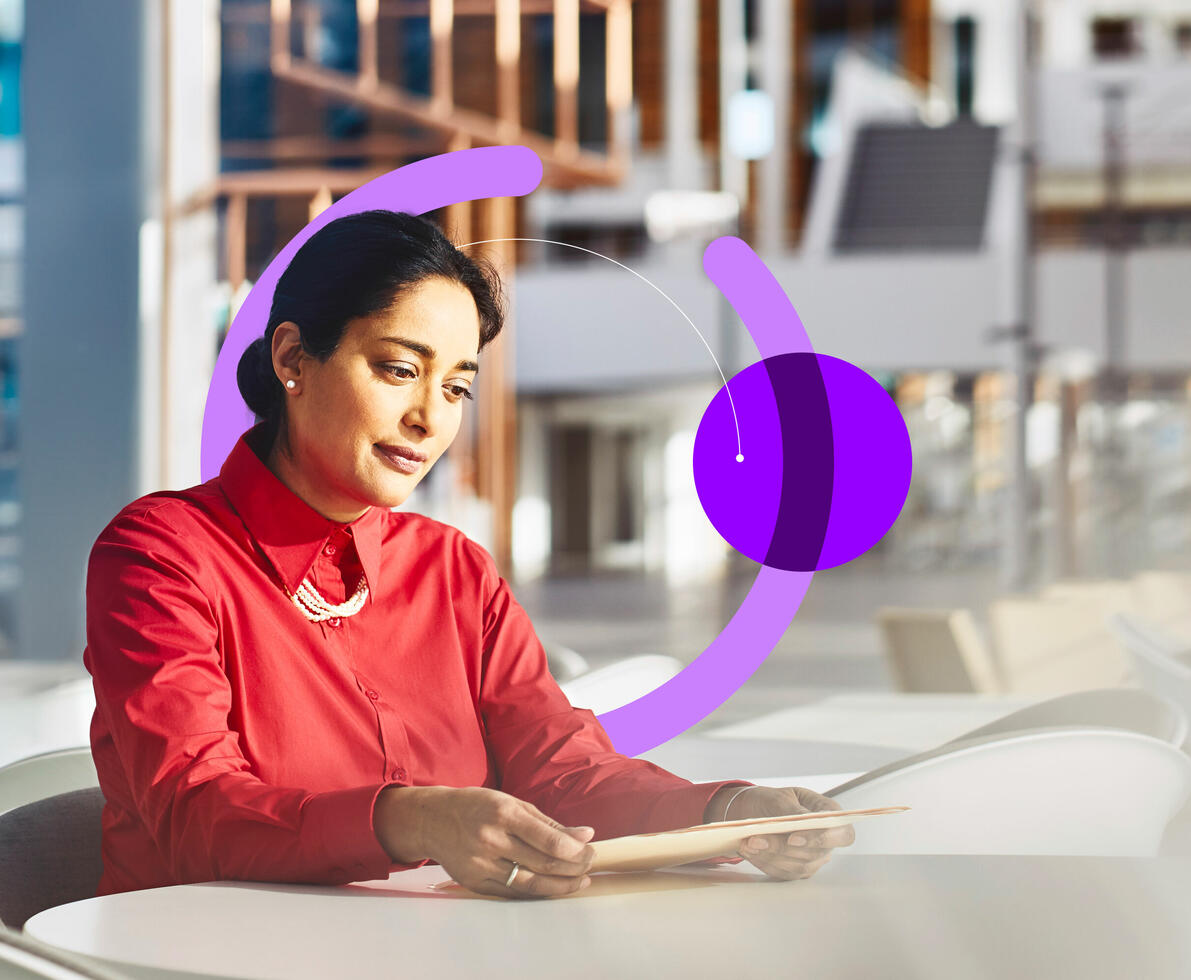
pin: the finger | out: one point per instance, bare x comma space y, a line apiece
549, 864
802, 854
791, 869
827, 838
530, 884
546, 835
816, 802
583, 834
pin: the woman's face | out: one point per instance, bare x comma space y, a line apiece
397, 383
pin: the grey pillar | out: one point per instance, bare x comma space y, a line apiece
776, 79
84, 80
683, 152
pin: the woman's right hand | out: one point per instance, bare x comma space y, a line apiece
476, 834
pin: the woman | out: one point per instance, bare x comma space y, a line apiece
295, 683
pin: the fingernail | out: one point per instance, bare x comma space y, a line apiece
796, 840
759, 844
585, 882
587, 833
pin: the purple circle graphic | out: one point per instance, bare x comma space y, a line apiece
826, 464
499, 171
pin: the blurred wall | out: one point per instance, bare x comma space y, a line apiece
84, 76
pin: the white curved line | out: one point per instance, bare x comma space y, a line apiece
682, 313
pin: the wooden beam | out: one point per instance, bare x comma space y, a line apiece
566, 75
279, 27
442, 20
618, 72
508, 60
561, 167
236, 240
323, 148
915, 39
496, 449
366, 55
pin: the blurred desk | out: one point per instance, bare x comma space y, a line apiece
861, 916
907, 723
816, 765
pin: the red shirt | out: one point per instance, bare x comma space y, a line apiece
235, 739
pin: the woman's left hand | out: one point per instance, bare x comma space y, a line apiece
785, 856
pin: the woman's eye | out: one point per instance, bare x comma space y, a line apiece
399, 370
459, 391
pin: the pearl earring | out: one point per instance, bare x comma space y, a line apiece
291, 383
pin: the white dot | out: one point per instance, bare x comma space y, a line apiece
739, 457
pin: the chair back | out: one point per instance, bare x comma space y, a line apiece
50, 854
1053, 791
936, 651
563, 662
1164, 599
618, 684
1055, 644
1129, 709
47, 774
24, 958
1163, 662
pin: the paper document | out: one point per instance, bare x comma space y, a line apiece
647, 852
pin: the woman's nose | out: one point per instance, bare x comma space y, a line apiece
421, 413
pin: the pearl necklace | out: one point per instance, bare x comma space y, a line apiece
315, 608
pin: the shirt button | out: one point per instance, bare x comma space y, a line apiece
330, 549
398, 773
333, 621
373, 695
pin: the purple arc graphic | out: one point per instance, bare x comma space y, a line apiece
772, 601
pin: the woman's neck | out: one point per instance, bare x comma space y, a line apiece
282, 465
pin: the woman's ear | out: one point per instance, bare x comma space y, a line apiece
288, 355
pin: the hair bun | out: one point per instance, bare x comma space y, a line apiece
258, 384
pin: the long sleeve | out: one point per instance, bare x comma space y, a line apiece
163, 703
559, 757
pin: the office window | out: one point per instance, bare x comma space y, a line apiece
1116, 37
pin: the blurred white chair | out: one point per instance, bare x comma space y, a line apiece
1164, 599
1126, 708
1057, 643
1056, 791
564, 663
1163, 661
615, 685
936, 650
25, 958
46, 774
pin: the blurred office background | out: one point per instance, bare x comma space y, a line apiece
984, 204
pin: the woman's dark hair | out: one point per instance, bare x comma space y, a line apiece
352, 267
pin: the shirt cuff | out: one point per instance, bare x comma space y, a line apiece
343, 824
685, 807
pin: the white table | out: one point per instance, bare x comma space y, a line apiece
908, 723
815, 765
917, 917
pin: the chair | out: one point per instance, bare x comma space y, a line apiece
1163, 662
564, 663
1055, 644
606, 688
47, 774
936, 650
1055, 791
1164, 599
49, 854
24, 958
1128, 709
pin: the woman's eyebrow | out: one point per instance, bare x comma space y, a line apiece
428, 352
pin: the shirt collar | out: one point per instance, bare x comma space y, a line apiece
288, 530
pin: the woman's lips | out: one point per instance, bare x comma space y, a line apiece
402, 463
